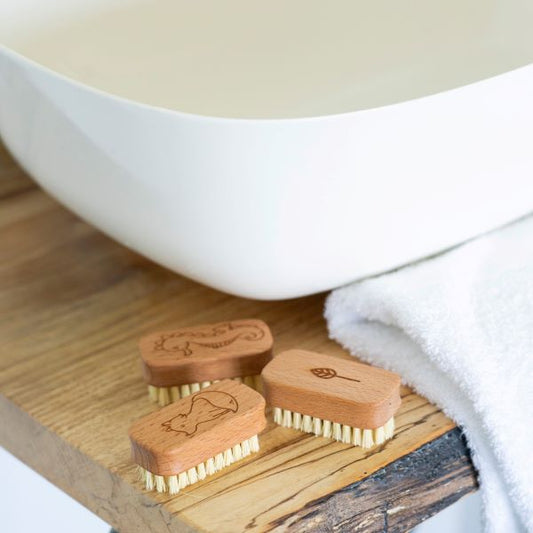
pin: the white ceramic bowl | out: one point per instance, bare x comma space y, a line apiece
275, 149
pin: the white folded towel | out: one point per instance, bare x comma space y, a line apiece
459, 330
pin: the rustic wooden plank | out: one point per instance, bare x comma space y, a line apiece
74, 305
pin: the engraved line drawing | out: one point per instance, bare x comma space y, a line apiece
330, 373
216, 337
206, 406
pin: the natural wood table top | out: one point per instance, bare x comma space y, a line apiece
73, 305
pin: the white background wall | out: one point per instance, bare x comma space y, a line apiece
52, 511
31, 504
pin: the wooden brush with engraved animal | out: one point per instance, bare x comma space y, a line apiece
197, 436
180, 362
332, 397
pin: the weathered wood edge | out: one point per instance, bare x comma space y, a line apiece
395, 498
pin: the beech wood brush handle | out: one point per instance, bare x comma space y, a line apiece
208, 352
194, 429
330, 388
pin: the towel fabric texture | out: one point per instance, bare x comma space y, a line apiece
458, 328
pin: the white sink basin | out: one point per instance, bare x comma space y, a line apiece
275, 149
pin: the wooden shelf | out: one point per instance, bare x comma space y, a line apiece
73, 305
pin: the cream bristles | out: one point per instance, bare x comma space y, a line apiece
366, 438
165, 395
173, 484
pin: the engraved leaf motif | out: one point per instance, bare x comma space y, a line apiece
324, 373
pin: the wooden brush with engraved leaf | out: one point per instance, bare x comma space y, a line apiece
332, 397
180, 362
197, 436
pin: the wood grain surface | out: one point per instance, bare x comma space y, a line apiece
326, 387
196, 428
73, 305
206, 352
